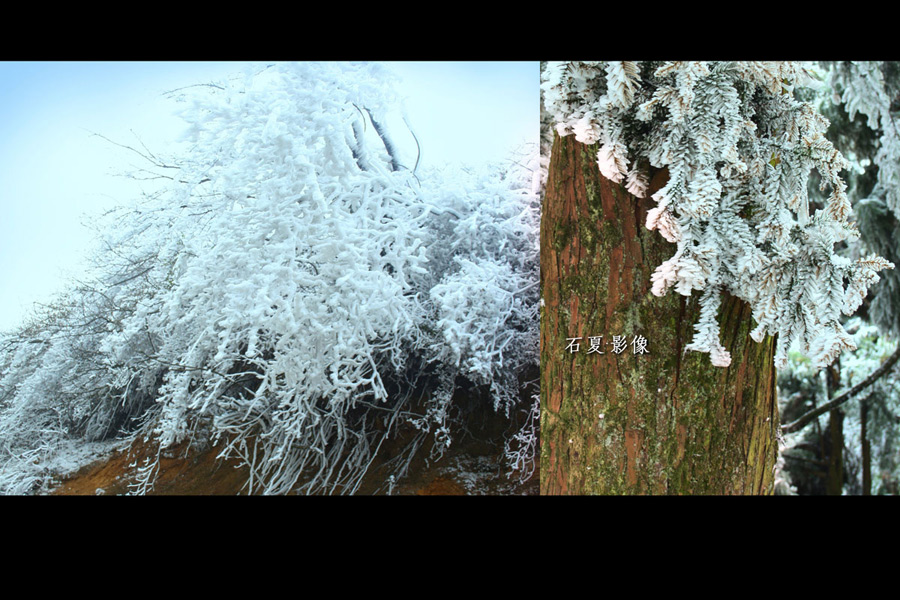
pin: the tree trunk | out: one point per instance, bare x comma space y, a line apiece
835, 484
866, 449
665, 422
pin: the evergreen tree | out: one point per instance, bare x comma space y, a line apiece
716, 157
860, 100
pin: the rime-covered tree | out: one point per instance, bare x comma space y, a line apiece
295, 293
715, 158
857, 442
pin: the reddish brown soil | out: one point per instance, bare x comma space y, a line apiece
470, 466
182, 471
441, 486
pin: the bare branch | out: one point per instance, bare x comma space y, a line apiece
149, 158
418, 147
212, 85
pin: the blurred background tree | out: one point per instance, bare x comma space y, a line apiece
853, 448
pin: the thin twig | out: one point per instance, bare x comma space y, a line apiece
149, 159
212, 85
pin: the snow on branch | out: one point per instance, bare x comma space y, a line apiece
296, 304
739, 149
860, 86
809, 416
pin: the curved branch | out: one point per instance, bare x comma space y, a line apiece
418, 147
842, 398
392, 153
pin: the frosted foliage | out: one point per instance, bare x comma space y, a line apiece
798, 381
301, 285
860, 86
738, 149
883, 400
867, 90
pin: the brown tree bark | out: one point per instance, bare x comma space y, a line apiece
835, 484
666, 422
866, 449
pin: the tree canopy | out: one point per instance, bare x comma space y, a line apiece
738, 148
294, 292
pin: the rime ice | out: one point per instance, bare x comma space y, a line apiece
292, 272
738, 149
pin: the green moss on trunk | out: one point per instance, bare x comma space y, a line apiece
659, 423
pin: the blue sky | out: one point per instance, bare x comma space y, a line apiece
54, 173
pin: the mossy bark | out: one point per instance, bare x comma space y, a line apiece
665, 422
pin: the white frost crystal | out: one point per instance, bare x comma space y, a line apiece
289, 294
738, 148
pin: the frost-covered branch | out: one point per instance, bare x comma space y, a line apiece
385, 139
861, 87
808, 417
738, 148
304, 305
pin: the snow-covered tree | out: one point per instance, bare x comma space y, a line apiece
738, 149
858, 392
716, 157
297, 293
853, 448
